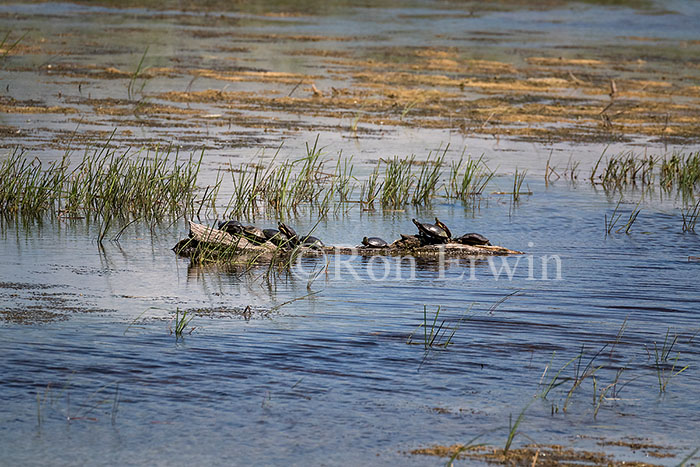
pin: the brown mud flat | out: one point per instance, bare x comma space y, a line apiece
577, 94
533, 454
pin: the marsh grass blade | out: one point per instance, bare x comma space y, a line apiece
690, 217
130, 89
513, 427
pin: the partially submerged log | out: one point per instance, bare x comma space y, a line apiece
209, 244
450, 250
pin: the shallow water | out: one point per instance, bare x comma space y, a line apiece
321, 371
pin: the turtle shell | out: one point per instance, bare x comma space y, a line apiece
472, 239
432, 232
408, 241
288, 232
374, 242
254, 234
275, 236
231, 226
312, 242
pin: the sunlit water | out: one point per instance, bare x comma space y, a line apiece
333, 369
330, 378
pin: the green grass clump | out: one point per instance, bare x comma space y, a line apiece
471, 182
106, 186
679, 171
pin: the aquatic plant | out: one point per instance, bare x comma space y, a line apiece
283, 188
570, 171
6, 49
555, 381
688, 457
681, 170
115, 404
513, 427
462, 448
628, 169
518, 179
677, 171
398, 180
663, 361
434, 335
371, 189
428, 178
615, 217
105, 186
598, 398
631, 220
138, 71
181, 321
470, 183
690, 217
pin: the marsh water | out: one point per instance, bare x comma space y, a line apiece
328, 364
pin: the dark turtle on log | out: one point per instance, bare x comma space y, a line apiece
472, 239
254, 234
408, 241
231, 226
311, 242
374, 242
275, 237
432, 233
289, 233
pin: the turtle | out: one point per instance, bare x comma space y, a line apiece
275, 236
408, 241
374, 242
443, 227
289, 233
311, 242
254, 234
472, 239
431, 233
231, 226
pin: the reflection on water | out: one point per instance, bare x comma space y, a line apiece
332, 371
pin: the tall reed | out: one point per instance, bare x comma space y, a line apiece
105, 185
470, 183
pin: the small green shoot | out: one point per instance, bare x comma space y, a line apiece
513, 427
182, 320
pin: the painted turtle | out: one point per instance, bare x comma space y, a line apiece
374, 242
254, 234
443, 227
231, 226
472, 239
408, 241
311, 242
431, 233
289, 233
275, 236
